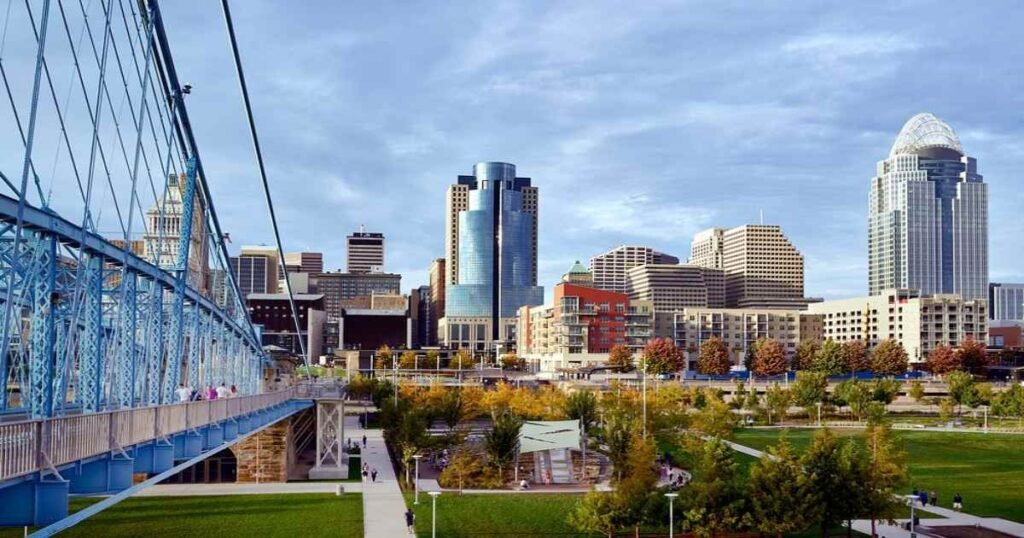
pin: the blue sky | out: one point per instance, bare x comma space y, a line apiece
640, 122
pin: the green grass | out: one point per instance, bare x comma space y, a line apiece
987, 470
299, 514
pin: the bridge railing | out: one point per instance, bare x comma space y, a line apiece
32, 445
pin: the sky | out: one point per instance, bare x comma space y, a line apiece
640, 122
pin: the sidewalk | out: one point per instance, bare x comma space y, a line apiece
383, 504
186, 490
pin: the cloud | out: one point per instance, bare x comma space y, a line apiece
833, 47
640, 216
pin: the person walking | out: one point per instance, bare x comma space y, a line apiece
410, 519
366, 471
934, 499
373, 475
184, 393
364, 440
211, 393
222, 391
958, 502
923, 497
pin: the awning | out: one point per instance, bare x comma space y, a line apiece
549, 435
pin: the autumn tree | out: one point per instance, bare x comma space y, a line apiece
806, 351
917, 391
830, 359
769, 359
510, 361
383, 359
618, 434
714, 357
462, 360
433, 360
778, 401
779, 493
889, 358
581, 405
621, 356
831, 470
661, 356
407, 360
856, 356
943, 359
885, 474
973, 356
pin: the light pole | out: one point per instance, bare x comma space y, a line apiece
671, 515
433, 512
819, 414
645, 397
416, 483
394, 367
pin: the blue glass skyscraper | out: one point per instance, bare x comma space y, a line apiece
496, 273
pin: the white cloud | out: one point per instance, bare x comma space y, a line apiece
640, 215
831, 47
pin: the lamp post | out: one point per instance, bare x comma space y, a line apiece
645, 397
433, 512
671, 514
394, 367
819, 414
416, 482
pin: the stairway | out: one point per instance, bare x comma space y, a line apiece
561, 467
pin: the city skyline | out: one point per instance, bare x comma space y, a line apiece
660, 158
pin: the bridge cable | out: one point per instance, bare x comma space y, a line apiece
263, 172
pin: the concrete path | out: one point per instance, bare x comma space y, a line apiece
383, 504
185, 490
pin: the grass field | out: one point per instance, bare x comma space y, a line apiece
987, 470
306, 515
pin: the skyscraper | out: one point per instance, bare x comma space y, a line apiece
496, 248
762, 267
304, 262
163, 232
928, 215
437, 278
256, 270
609, 269
364, 252
1006, 301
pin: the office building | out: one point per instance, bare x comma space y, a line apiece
340, 288
762, 267
920, 322
438, 282
364, 252
304, 262
419, 312
162, 238
579, 275
1006, 301
671, 288
738, 328
928, 216
609, 269
496, 253
273, 311
458, 201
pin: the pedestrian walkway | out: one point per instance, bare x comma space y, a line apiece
187, 490
383, 504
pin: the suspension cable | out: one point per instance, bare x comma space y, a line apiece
263, 173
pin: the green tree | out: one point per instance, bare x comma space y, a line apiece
830, 359
973, 356
961, 388
581, 405
618, 436
635, 491
621, 356
806, 351
856, 395
1009, 403
661, 356
885, 474
717, 503
751, 354
452, 408
778, 401
716, 419
433, 360
598, 512
769, 359
917, 391
856, 356
780, 499
885, 390
714, 357
889, 358
809, 389
407, 360
383, 360
943, 359
832, 478
502, 442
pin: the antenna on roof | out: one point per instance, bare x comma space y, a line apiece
362, 228
762, 216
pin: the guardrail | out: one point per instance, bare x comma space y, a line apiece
32, 445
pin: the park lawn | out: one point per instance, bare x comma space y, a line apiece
986, 469
299, 514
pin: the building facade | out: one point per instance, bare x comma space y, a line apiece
928, 216
738, 328
304, 262
338, 288
608, 270
162, 238
671, 288
273, 311
496, 253
364, 252
919, 322
762, 267
437, 277
1006, 301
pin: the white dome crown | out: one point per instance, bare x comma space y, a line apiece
925, 131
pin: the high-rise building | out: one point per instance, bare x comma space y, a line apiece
671, 288
364, 252
339, 289
256, 270
762, 267
1006, 301
609, 269
457, 201
163, 234
496, 251
304, 262
928, 215
438, 282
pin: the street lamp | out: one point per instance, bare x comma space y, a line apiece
671, 515
433, 512
416, 483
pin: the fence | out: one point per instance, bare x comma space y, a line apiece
31, 445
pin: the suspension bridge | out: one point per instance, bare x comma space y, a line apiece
116, 288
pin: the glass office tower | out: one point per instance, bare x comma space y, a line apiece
495, 249
928, 215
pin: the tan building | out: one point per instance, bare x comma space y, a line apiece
364, 252
438, 285
762, 267
671, 288
474, 333
738, 328
920, 323
161, 240
608, 270
304, 262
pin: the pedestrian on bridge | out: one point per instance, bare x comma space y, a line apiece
184, 393
211, 393
373, 474
222, 391
364, 440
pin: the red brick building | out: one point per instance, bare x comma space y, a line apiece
593, 320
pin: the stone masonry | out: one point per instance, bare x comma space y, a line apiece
267, 455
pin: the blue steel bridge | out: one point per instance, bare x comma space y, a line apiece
115, 284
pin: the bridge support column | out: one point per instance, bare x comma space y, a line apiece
213, 436
331, 462
244, 424
187, 445
230, 429
36, 502
112, 472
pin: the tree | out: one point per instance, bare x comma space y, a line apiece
462, 360
889, 358
510, 361
809, 389
1009, 403
661, 356
885, 390
751, 354
407, 360
452, 408
806, 351
830, 359
598, 512
961, 388
716, 419
621, 356
714, 357
780, 500
886, 473
830, 468
856, 395
618, 435
502, 442
634, 492
916, 391
717, 501
582, 406
383, 360
943, 359
778, 401
433, 360
973, 356
856, 356
769, 359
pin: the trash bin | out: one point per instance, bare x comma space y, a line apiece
340, 491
